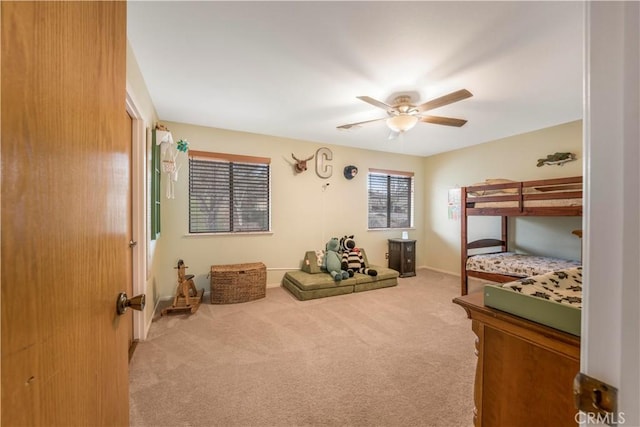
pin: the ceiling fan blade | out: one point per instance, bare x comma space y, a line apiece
351, 125
444, 100
447, 121
375, 103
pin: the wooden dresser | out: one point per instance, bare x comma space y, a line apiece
525, 370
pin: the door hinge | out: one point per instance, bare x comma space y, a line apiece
596, 399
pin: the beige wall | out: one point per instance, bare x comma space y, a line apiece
512, 158
304, 216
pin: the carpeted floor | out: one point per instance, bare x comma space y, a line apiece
400, 356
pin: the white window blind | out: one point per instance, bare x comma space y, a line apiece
390, 199
228, 193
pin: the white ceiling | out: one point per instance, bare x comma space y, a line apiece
294, 69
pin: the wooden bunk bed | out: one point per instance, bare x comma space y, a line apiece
503, 198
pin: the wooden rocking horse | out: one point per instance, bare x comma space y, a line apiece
188, 297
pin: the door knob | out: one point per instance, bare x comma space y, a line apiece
132, 243
137, 303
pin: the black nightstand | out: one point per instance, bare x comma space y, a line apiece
402, 256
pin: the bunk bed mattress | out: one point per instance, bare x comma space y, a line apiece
528, 203
553, 299
517, 265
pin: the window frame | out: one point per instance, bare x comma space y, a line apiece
390, 176
155, 198
241, 162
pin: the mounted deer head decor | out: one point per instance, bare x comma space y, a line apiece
301, 165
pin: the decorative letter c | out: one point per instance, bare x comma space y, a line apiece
323, 170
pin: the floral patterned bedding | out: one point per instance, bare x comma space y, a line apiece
518, 265
563, 286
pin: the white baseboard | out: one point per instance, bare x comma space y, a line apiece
440, 270
206, 295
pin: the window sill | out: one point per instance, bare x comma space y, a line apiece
391, 229
237, 234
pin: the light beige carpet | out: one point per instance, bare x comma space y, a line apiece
400, 356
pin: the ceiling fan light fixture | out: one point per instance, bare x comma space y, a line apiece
402, 122
403, 115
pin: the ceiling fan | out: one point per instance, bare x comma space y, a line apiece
403, 115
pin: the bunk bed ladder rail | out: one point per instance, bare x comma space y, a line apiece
478, 244
463, 243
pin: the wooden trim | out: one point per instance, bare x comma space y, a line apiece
485, 243
238, 158
505, 233
493, 277
132, 348
391, 172
577, 187
503, 186
478, 329
513, 211
499, 198
553, 211
556, 181
554, 196
139, 212
464, 280
527, 211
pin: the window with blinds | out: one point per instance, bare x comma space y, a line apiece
390, 199
228, 193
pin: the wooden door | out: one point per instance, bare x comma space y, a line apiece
64, 207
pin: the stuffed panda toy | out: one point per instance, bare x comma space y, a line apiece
352, 259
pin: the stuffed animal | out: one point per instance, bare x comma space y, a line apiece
352, 259
331, 261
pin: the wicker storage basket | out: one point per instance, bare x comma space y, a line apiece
235, 283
